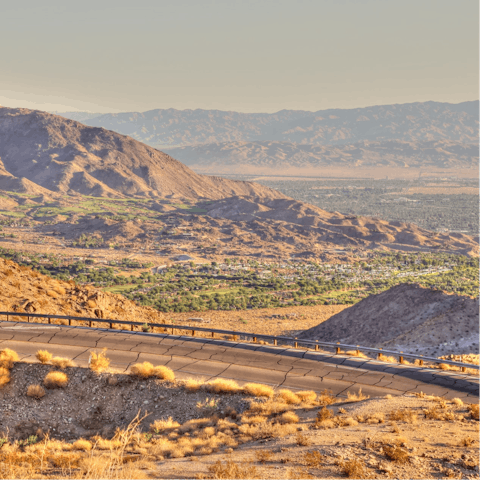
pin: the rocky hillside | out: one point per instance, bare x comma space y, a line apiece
291, 158
41, 153
406, 318
24, 290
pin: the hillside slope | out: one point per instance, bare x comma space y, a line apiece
406, 318
24, 290
41, 151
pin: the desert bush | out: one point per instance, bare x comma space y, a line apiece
8, 357
271, 407
396, 454
474, 410
55, 380
4, 376
313, 459
222, 385
323, 414
288, 417
356, 397
288, 396
326, 398
43, 356
164, 373
62, 363
263, 456
458, 402
231, 469
258, 390
142, 370
404, 415
354, 468
306, 396
82, 444
98, 362
467, 441
164, 425
192, 385
254, 419
35, 391
302, 440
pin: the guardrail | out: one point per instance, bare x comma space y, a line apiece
295, 342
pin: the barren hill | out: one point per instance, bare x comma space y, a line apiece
41, 152
24, 290
406, 318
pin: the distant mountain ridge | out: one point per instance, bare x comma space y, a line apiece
43, 153
427, 121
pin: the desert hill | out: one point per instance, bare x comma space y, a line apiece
41, 153
24, 290
421, 121
271, 157
406, 318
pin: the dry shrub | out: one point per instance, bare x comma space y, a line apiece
4, 376
164, 373
439, 412
302, 440
307, 396
60, 290
288, 396
313, 459
357, 353
266, 430
263, 456
386, 358
35, 391
298, 473
222, 385
403, 415
142, 370
62, 363
396, 454
82, 444
258, 390
467, 442
354, 468
164, 425
51, 293
192, 385
255, 419
231, 469
346, 422
323, 414
288, 417
375, 418
357, 397
8, 357
270, 407
55, 380
458, 402
66, 460
197, 424
474, 410
326, 398
43, 356
98, 362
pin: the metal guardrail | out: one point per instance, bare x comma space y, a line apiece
315, 344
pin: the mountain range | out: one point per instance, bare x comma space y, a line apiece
419, 135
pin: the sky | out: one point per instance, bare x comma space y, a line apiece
241, 55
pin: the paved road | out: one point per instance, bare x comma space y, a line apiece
244, 362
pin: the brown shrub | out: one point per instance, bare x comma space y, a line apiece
263, 456
164, 425
288, 396
467, 442
142, 370
270, 407
288, 417
326, 398
357, 397
82, 444
302, 440
222, 385
354, 468
98, 362
193, 385
474, 410
403, 415
458, 402
55, 380
43, 356
35, 391
62, 363
258, 390
396, 454
307, 396
164, 373
231, 469
8, 357
313, 459
4, 376
323, 414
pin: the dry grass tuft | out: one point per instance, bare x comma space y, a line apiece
396, 454
82, 444
8, 357
221, 385
323, 414
4, 376
255, 419
142, 370
55, 380
62, 363
354, 468
307, 396
474, 410
231, 469
313, 459
326, 398
288, 417
263, 456
98, 362
43, 356
302, 440
35, 391
258, 390
270, 407
458, 402
357, 397
403, 415
164, 373
386, 358
164, 425
193, 385
467, 441
288, 396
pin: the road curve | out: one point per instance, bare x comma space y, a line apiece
243, 362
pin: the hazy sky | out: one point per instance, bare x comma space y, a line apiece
244, 55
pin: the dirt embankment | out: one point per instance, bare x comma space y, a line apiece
24, 290
408, 318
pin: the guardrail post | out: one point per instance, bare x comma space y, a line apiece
89, 323
254, 339
337, 350
400, 358
420, 362
193, 333
275, 341
296, 343
379, 356
213, 334
69, 322
464, 369
357, 352
317, 346
50, 321
111, 325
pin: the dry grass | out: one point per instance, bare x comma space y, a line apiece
55, 380
357, 397
313, 459
403, 415
458, 402
164, 373
143, 370
326, 397
35, 391
396, 454
82, 444
221, 385
164, 425
288, 397
270, 407
467, 441
474, 410
302, 440
8, 357
306, 396
62, 363
98, 362
288, 417
323, 414
4, 376
258, 390
231, 469
254, 419
354, 468
263, 456
386, 358
193, 385
43, 356
357, 353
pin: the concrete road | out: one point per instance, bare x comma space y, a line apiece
243, 362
